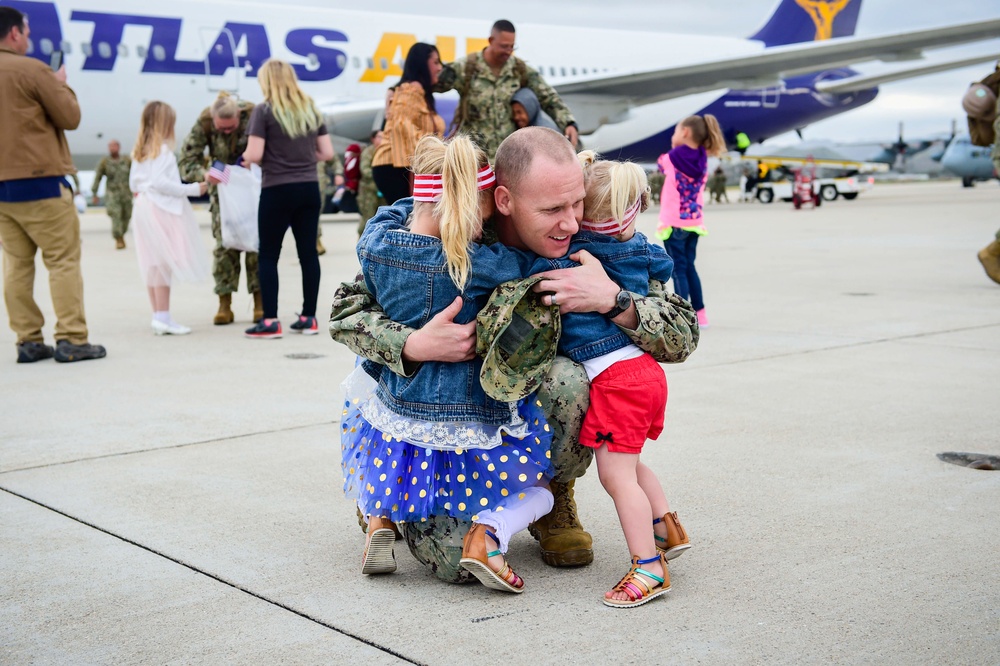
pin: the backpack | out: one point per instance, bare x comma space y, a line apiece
520, 68
979, 103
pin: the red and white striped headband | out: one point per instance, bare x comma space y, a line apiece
429, 186
612, 227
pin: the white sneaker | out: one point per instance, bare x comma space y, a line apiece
171, 328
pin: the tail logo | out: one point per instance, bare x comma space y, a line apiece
823, 14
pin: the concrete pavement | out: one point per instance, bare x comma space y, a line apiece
180, 501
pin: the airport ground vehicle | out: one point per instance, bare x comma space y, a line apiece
828, 189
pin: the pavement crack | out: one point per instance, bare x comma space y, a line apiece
170, 447
236, 586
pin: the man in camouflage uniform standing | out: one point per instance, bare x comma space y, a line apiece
487, 81
989, 256
662, 324
222, 129
117, 195
369, 198
331, 176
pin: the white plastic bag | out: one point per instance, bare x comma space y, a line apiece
238, 202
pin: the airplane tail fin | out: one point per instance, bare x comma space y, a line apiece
795, 21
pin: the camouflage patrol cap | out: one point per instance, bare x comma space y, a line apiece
516, 335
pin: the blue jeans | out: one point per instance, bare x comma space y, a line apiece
682, 246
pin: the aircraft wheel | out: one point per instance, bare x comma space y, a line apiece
765, 195
829, 193
850, 196
968, 181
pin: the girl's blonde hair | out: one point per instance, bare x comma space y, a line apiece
156, 127
458, 212
612, 187
294, 110
705, 131
225, 106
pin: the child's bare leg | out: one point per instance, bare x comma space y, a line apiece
618, 476
658, 503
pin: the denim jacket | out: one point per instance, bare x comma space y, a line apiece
408, 276
632, 263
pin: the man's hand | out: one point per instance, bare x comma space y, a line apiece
572, 135
61, 74
441, 339
585, 288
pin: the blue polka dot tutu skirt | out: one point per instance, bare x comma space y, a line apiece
405, 482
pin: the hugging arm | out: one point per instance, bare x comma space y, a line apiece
357, 321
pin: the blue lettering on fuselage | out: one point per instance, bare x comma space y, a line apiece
326, 62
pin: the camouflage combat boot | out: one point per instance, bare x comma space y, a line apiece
225, 314
989, 257
258, 306
562, 538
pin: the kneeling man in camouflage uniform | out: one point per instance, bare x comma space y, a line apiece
539, 200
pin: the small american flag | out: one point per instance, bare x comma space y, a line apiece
222, 174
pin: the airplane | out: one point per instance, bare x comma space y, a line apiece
900, 150
967, 161
793, 71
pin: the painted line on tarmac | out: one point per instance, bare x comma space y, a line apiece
216, 578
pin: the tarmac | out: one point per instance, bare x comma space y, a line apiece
180, 502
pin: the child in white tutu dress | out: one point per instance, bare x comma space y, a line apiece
167, 241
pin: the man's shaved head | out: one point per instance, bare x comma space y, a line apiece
516, 153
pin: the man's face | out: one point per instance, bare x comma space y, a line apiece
114, 148
546, 209
377, 139
520, 114
226, 125
501, 46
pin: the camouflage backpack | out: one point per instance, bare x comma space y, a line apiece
981, 126
462, 112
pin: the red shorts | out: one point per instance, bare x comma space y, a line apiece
627, 404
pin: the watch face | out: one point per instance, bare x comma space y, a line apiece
624, 299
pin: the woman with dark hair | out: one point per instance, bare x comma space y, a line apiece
410, 115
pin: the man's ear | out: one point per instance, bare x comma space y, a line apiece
503, 200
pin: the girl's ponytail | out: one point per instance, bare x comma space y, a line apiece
458, 210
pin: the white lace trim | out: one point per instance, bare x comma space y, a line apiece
359, 390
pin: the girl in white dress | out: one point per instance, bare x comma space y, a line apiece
167, 240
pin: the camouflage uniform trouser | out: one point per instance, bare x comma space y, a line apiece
119, 209
437, 542
226, 262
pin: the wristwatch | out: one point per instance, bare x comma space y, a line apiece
622, 302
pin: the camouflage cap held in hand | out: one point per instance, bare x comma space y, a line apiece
517, 336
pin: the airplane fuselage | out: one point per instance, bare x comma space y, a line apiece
185, 52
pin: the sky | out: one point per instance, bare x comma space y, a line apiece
926, 105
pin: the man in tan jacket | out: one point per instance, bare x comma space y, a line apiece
36, 202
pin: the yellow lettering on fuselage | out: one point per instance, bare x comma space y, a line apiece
394, 46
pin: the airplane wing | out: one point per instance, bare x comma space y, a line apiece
767, 67
854, 83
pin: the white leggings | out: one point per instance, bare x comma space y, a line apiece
517, 514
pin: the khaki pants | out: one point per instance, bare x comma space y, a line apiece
51, 225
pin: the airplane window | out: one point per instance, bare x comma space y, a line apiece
341, 61
66, 47
159, 53
104, 49
86, 49
140, 51
312, 64
355, 62
563, 70
122, 50
384, 63
371, 64
583, 70
552, 71
574, 71
46, 45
